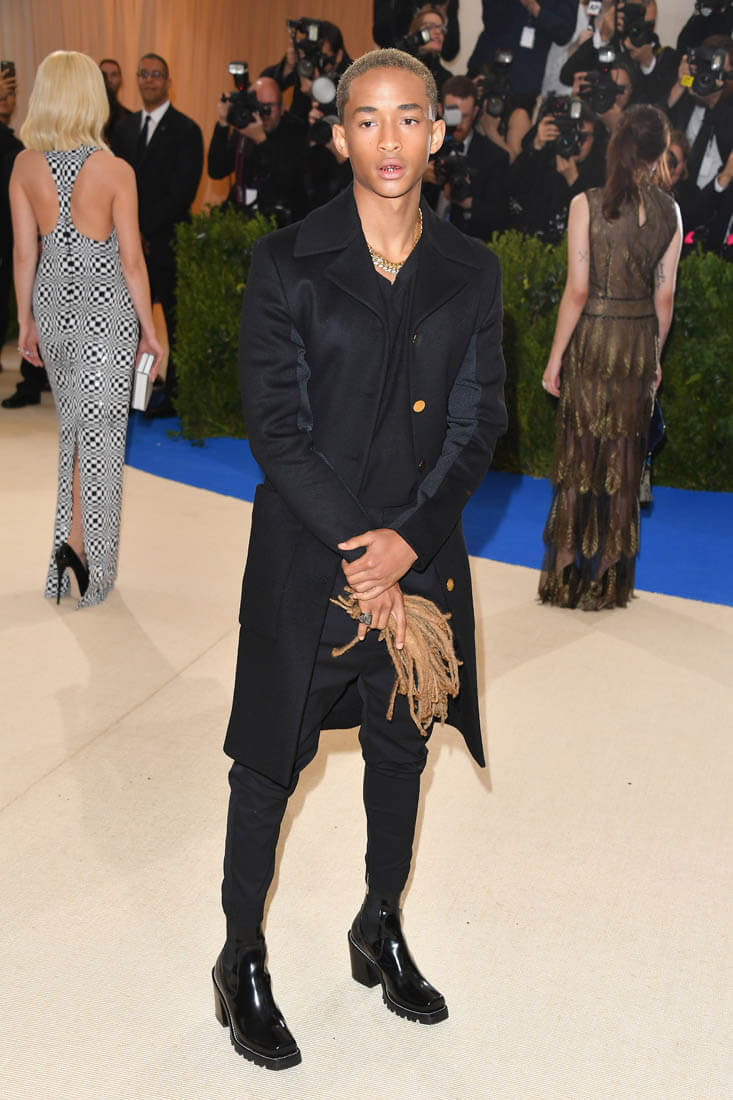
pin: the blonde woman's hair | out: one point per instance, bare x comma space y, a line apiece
68, 105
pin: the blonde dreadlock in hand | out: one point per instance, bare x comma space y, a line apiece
426, 665
389, 605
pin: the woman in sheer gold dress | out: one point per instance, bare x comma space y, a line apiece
624, 244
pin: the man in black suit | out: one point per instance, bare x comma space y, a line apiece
166, 150
704, 113
372, 381
469, 178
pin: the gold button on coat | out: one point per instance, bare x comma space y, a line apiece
450, 584
418, 406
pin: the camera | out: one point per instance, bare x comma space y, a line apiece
636, 27
308, 47
8, 69
599, 89
324, 92
707, 68
243, 104
567, 114
450, 163
411, 43
493, 85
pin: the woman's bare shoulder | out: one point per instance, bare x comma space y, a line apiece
110, 169
27, 163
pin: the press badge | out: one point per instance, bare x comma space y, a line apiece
527, 39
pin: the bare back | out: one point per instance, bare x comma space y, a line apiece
97, 187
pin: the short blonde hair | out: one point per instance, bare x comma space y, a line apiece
68, 105
385, 59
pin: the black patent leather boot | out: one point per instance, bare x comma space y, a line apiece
244, 1003
379, 953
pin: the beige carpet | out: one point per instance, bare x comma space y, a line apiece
573, 901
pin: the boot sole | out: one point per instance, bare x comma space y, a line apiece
367, 973
224, 1018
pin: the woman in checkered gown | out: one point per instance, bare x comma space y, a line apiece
78, 310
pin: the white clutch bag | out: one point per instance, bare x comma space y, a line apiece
142, 383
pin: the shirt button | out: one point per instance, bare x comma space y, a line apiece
421, 465
450, 584
418, 406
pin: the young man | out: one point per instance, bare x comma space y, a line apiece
372, 379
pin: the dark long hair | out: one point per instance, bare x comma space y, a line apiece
638, 141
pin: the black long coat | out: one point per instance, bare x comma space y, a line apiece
313, 352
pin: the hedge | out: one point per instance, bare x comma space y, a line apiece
213, 261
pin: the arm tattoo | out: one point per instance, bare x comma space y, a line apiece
583, 256
659, 276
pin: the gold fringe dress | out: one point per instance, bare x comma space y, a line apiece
606, 397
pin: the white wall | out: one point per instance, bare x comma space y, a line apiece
673, 14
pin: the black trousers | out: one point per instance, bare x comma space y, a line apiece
162, 275
394, 755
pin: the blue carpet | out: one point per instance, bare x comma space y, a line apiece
686, 537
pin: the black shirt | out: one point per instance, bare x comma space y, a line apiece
391, 474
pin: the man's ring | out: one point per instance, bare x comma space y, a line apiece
366, 618
544, 384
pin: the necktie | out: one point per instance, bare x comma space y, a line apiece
142, 141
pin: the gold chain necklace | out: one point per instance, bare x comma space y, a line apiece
387, 265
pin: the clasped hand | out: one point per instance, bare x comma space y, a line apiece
386, 559
373, 578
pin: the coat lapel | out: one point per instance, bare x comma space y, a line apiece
442, 273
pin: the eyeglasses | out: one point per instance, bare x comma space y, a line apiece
439, 27
151, 74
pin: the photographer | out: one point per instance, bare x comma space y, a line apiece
629, 29
701, 105
608, 89
563, 155
265, 152
327, 171
315, 48
392, 20
425, 38
500, 118
711, 17
468, 177
526, 28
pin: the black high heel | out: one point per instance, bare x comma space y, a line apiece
244, 1003
66, 558
379, 954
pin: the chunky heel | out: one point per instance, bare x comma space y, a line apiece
220, 1008
362, 969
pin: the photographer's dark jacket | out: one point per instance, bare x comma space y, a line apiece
488, 166
539, 196
699, 27
314, 358
504, 21
274, 167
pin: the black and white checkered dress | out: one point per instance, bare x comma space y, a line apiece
88, 335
